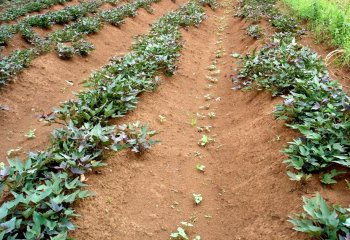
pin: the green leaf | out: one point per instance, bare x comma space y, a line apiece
328, 177
30, 134
197, 198
200, 167
235, 55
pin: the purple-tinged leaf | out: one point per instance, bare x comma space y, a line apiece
316, 106
325, 79
4, 172
289, 101
55, 206
77, 171
4, 108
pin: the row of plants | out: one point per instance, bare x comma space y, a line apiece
5, 4
38, 195
317, 107
92, 24
18, 10
46, 20
253, 11
73, 33
329, 20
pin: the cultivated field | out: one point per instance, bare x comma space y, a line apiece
164, 119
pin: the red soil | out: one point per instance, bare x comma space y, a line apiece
245, 188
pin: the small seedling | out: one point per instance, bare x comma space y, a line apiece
162, 118
174, 205
197, 237
235, 55
197, 154
208, 97
179, 234
204, 140
208, 216
211, 114
187, 224
209, 86
212, 67
30, 134
193, 121
206, 107
200, 116
197, 198
200, 167
215, 73
212, 79
298, 176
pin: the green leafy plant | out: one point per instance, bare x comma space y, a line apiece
314, 105
328, 177
83, 47
14, 63
205, 140
134, 136
64, 51
6, 33
20, 10
181, 233
284, 23
254, 10
321, 221
254, 31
